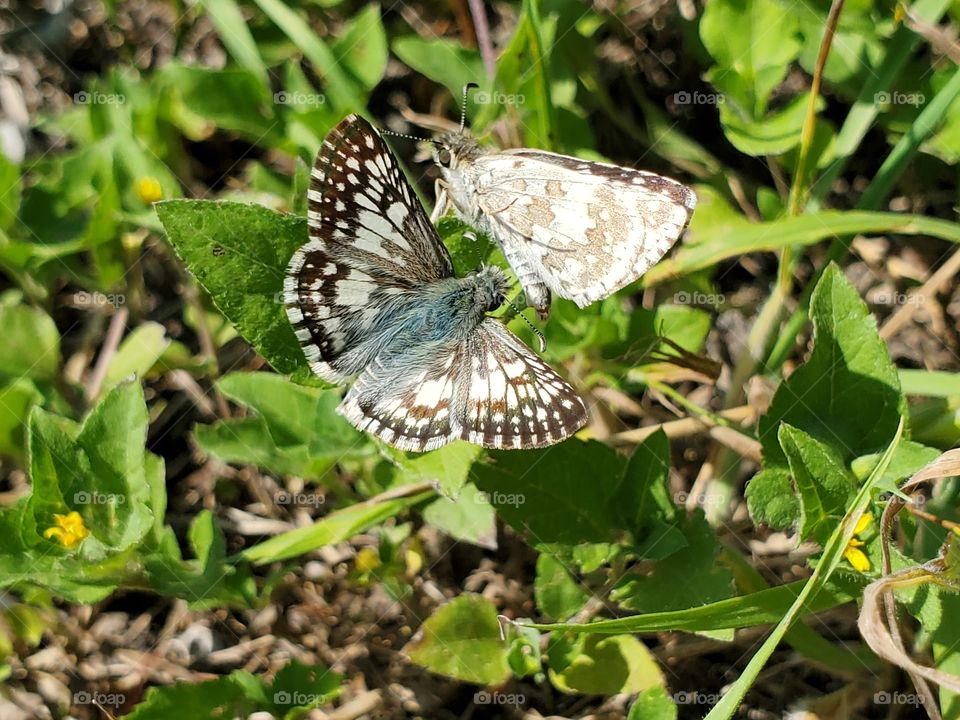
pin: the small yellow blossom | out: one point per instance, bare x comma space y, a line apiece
149, 190
69, 530
367, 560
854, 555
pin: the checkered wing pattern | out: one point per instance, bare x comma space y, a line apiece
370, 240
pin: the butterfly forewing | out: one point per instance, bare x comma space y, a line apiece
370, 241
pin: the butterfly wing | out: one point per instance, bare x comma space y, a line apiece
511, 398
589, 228
489, 389
371, 245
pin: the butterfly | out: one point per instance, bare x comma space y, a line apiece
578, 229
373, 295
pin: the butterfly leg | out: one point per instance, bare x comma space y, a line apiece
443, 201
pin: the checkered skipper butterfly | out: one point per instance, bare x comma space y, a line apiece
579, 229
373, 295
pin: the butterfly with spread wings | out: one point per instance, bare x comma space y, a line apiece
579, 229
372, 295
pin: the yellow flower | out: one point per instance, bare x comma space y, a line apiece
367, 560
69, 529
149, 190
854, 555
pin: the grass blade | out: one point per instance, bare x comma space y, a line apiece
236, 37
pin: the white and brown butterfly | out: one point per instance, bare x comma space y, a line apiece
372, 295
579, 229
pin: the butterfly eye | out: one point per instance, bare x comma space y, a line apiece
444, 157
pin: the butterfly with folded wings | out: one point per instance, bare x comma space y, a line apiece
578, 229
373, 295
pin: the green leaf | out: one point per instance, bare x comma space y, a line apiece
690, 576
598, 665
297, 688
751, 61
16, 401
444, 61
543, 493
224, 245
361, 47
31, 343
558, 595
848, 368
336, 527
469, 518
774, 134
462, 640
235, 695
653, 704
711, 246
448, 467
643, 495
235, 35
822, 479
138, 353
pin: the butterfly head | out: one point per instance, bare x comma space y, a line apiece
490, 288
451, 149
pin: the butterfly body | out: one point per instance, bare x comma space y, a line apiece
578, 229
373, 296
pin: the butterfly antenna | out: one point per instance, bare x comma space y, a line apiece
463, 104
394, 133
536, 331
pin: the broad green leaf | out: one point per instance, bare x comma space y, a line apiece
247, 441
469, 518
235, 695
462, 640
774, 134
653, 704
558, 595
295, 415
444, 61
822, 480
751, 60
602, 665
361, 48
848, 368
690, 576
336, 527
16, 400
138, 353
206, 580
643, 495
447, 467
543, 493
31, 343
298, 688
239, 254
